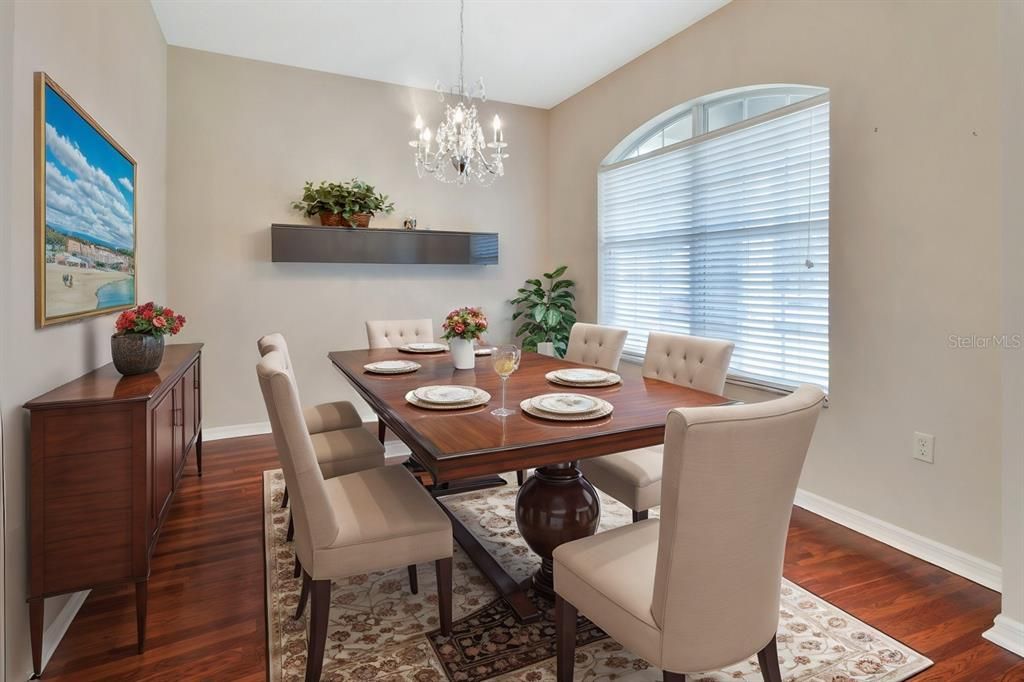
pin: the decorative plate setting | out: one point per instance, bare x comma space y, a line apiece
564, 377
392, 367
485, 350
446, 395
423, 348
477, 398
566, 407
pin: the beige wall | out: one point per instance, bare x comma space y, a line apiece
111, 57
245, 136
915, 234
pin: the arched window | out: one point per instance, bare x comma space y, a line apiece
713, 221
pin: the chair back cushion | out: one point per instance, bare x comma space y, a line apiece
688, 360
394, 333
315, 523
729, 478
596, 345
275, 341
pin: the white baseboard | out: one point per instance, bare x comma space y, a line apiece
1007, 633
53, 634
236, 431
971, 567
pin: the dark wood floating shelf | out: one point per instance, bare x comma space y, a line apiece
313, 244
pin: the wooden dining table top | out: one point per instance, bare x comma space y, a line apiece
456, 444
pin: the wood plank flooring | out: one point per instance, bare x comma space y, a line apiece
207, 617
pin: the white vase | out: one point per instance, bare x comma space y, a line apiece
463, 356
546, 348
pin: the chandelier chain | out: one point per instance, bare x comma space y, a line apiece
462, 46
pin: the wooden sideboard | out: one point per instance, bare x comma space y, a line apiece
107, 452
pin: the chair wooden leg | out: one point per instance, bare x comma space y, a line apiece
565, 638
673, 677
414, 583
298, 568
303, 596
284, 500
520, 477
444, 594
320, 595
639, 516
291, 528
768, 659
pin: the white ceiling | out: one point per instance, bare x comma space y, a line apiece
533, 52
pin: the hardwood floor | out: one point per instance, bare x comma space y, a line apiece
206, 595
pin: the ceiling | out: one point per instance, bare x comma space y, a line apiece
532, 52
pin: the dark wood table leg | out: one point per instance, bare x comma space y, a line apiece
512, 592
555, 505
141, 601
35, 618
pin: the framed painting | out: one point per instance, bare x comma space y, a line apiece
86, 224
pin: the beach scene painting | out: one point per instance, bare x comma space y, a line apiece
85, 212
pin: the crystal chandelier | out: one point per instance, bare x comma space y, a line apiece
461, 148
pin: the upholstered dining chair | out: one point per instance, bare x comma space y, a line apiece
394, 333
340, 442
365, 521
698, 589
596, 345
634, 477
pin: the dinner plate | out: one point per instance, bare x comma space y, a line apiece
604, 410
610, 380
486, 350
481, 399
446, 395
392, 367
565, 403
423, 347
580, 375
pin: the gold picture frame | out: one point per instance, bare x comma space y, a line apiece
85, 253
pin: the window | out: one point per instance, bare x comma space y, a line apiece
710, 233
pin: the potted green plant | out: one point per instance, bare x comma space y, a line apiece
343, 204
547, 310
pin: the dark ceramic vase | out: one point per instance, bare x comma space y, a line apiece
136, 353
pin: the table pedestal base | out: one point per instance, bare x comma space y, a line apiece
555, 505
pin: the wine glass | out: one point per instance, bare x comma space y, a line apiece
506, 360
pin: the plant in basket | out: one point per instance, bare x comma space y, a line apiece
343, 204
461, 327
137, 345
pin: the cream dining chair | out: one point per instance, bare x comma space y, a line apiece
634, 477
698, 589
394, 333
340, 442
596, 345
365, 521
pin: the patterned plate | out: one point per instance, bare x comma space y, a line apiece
446, 395
610, 380
392, 367
486, 350
482, 398
565, 403
423, 348
604, 410
579, 375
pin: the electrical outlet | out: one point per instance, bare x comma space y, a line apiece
924, 447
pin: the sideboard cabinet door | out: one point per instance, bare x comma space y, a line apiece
164, 442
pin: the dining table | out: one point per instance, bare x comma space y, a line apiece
554, 505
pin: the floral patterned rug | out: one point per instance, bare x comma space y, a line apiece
379, 631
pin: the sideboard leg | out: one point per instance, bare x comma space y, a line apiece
35, 617
141, 599
199, 453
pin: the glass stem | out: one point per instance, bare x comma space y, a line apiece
504, 380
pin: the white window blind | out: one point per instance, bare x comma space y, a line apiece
710, 238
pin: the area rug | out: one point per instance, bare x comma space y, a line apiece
379, 631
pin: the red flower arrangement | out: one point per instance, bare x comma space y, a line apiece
464, 323
151, 319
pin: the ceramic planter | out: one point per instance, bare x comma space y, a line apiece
136, 353
463, 355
